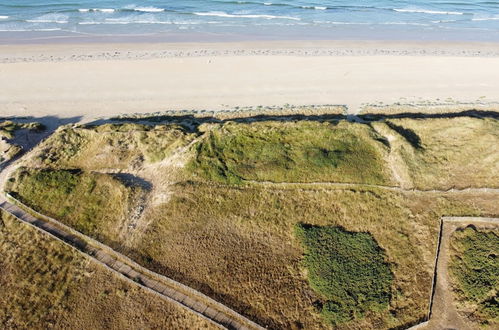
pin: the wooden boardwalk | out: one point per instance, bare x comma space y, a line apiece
167, 288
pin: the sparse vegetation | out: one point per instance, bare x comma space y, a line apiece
8, 148
46, 284
8, 128
475, 270
116, 146
291, 151
347, 269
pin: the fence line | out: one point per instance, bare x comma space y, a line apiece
164, 286
463, 220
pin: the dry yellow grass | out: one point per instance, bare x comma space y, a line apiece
45, 283
452, 152
111, 147
242, 251
427, 107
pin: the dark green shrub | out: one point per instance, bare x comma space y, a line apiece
347, 269
475, 269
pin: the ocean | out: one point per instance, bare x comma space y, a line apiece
201, 20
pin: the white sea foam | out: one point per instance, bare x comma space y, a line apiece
224, 14
142, 22
54, 18
404, 23
148, 9
3, 17
488, 18
121, 21
427, 11
46, 21
102, 10
29, 30
341, 23
314, 7
445, 21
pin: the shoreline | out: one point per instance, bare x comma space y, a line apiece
54, 52
88, 81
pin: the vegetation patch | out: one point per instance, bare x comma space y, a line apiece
8, 147
347, 269
475, 270
8, 128
117, 146
291, 152
92, 203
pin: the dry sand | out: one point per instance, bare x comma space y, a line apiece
106, 79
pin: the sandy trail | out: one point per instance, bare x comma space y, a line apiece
444, 314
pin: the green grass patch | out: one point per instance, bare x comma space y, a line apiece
475, 269
92, 203
291, 151
347, 269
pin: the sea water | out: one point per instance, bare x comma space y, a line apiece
278, 19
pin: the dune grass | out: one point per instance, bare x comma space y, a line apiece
8, 129
237, 244
347, 269
111, 146
92, 203
443, 153
35, 274
291, 152
475, 270
46, 284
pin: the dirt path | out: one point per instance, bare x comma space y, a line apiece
162, 175
443, 313
396, 163
342, 185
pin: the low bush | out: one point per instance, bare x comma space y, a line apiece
475, 270
347, 269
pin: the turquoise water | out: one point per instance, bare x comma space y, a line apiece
279, 19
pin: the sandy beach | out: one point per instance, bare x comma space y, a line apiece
98, 80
